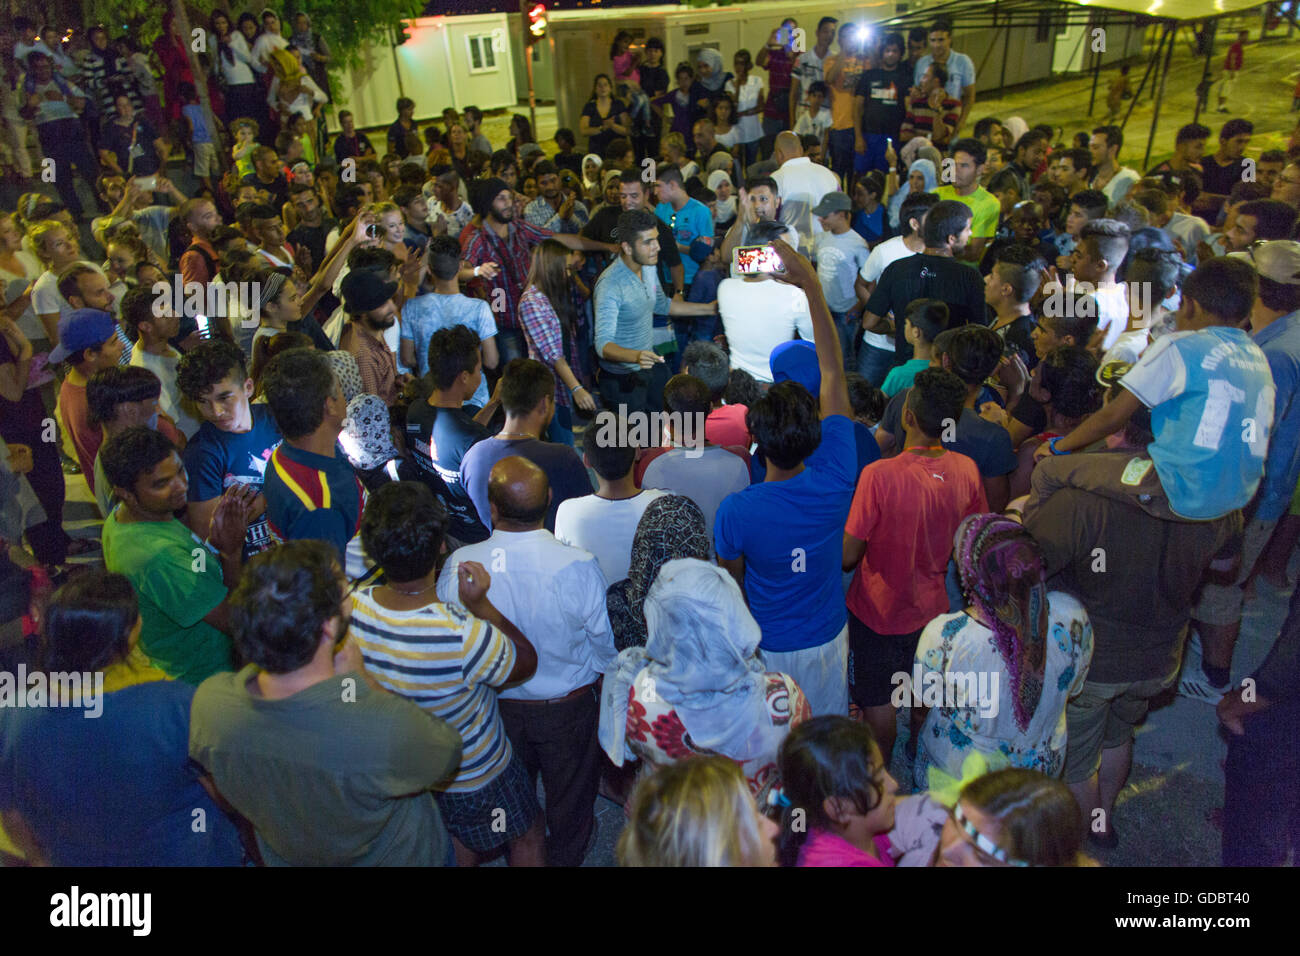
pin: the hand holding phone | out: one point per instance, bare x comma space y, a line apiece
758, 260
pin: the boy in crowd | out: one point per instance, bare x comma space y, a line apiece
233, 445
88, 342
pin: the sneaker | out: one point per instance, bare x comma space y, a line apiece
1196, 686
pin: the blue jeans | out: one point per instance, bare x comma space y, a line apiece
510, 345
846, 325
874, 157
561, 427
840, 144
874, 363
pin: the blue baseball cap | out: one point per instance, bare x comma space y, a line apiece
82, 329
796, 361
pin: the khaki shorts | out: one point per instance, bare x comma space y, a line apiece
205, 159
1104, 717
1221, 604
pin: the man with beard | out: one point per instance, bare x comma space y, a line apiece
509, 243
879, 104
628, 295
552, 209
313, 227
368, 300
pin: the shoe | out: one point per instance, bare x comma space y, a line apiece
1197, 686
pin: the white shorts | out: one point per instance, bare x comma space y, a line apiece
822, 673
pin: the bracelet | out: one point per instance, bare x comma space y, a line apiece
476, 268
580, 388
1052, 445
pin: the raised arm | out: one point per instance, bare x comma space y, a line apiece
800, 273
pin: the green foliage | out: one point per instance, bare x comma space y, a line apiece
346, 26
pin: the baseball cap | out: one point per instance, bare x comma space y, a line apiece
364, 290
1276, 259
796, 361
82, 329
528, 149
833, 202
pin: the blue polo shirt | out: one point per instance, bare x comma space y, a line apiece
1280, 343
626, 304
961, 72
309, 496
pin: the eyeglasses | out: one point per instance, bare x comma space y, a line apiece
983, 843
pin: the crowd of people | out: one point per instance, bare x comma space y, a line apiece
473, 469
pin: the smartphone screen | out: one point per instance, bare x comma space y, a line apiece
202, 321
757, 260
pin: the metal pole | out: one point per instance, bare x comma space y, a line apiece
1096, 67
1155, 112
1211, 29
532, 99
1155, 58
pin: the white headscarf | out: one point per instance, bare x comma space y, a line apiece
702, 656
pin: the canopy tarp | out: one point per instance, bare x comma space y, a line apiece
1170, 9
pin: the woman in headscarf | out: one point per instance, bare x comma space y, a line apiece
921, 177
592, 187
710, 80
995, 677
173, 57
1014, 128
699, 685
106, 73
346, 371
367, 440
724, 209
672, 527
314, 50
231, 57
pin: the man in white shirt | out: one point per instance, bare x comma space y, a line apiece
802, 184
687, 464
1103, 245
876, 350
840, 254
556, 594
1108, 175
605, 523
759, 313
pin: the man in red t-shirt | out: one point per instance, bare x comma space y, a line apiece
899, 538
1231, 67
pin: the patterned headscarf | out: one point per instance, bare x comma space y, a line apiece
672, 527
367, 436
347, 373
1004, 578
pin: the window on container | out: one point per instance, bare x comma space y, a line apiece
482, 54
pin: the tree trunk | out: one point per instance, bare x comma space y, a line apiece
200, 78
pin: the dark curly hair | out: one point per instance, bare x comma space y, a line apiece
282, 600
402, 529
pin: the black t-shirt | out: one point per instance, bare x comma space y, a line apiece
313, 237
654, 82
601, 228
569, 161
885, 93
600, 142
140, 161
1019, 336
345, 146
987, 444
1220, 179
278, 188
438, 439
924, 276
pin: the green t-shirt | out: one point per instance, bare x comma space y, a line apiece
983, 205
178, 582
339, 774
901, 376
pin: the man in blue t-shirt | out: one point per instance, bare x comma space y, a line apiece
689, 219
235, 441
311, 490
443, 308
782, 539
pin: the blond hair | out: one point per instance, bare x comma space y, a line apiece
38, 234
695, 812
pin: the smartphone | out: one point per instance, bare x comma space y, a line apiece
757, 260
202, 321
147, 183
374, 230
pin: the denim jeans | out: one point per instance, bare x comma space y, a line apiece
874, 363
561, 427
840, 144
510, 345
846, 325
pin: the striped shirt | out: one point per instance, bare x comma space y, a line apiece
448, 662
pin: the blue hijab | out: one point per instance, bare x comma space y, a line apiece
926, 168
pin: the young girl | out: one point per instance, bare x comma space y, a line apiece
241, 152
1012, 817
869, 220
836, 798
724, 121
679, 100
674, 150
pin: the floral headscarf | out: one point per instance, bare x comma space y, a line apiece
672, 527
1004, 578
346, 371
367, 436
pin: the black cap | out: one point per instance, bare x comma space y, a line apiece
364, 290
